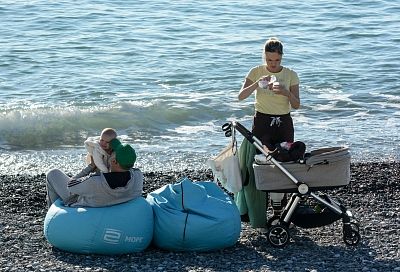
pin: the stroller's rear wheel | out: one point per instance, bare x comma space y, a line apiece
351, 234
278, 236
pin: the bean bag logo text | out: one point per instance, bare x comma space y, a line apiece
114, 236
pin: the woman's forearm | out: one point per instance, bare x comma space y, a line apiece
247, 89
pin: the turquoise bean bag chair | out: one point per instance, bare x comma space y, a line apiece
112, 230
194, 216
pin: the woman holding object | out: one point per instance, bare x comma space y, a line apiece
276, 91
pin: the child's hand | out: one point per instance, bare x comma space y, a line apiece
92, 164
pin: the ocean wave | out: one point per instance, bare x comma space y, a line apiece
37, 127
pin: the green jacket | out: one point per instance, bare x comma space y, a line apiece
250, 200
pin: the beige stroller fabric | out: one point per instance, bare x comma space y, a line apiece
325, 168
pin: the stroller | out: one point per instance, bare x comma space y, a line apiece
320, 170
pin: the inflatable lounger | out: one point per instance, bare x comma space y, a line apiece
324, 168
112, 230
194, 216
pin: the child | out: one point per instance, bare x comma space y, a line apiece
100, 149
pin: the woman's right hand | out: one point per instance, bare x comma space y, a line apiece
265, 78
265, 82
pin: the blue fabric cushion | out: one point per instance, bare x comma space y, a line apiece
194, 216
118, 229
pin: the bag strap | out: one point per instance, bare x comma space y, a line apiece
230, 131
234, 141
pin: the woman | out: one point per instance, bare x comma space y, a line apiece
272, 123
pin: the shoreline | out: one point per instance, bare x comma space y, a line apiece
373, 196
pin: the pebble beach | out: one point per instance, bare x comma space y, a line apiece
373, 196
166, 76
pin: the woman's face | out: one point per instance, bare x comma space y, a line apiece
273, 60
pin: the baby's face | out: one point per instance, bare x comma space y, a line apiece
105, 141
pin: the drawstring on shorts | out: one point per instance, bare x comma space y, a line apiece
275, 121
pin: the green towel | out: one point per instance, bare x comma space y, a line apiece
250, 200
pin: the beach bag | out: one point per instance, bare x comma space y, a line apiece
226, 169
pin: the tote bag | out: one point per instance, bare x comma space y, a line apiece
226, 169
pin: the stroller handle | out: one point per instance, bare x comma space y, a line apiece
228, 128
234, 125
244, 131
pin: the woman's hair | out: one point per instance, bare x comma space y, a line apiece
273, 45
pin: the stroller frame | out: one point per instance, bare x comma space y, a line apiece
278, 226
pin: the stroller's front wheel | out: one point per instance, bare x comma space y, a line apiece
351, 234
278, 236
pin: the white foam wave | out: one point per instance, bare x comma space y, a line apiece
186, 129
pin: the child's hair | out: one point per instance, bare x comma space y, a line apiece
110, 132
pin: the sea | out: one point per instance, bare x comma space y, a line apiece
166, 75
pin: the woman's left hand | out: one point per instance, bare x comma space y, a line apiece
280, 89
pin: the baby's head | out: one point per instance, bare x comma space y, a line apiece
105, 138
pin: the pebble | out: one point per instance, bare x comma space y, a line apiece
372, 195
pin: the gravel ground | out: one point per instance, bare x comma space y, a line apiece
373, 196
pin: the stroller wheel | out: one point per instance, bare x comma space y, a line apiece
355, 226
274, 220
351, 234
278, 236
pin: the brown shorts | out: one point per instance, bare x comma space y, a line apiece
273, 129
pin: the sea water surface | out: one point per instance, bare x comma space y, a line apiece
166, 74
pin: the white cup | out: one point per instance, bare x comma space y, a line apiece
263, 84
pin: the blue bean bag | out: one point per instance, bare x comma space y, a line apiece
118, 229
192, 216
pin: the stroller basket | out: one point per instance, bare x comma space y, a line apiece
308, 217
324, 168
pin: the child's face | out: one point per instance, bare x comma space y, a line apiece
105, 141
